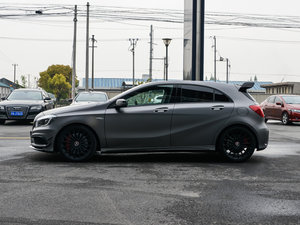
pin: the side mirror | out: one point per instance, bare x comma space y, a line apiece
121, 103
3, 98
278, 103
70, 100
47, 99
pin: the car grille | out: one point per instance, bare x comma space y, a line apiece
11, 109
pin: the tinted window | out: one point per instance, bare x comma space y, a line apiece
91, 97
220, 97
193, 93
292, 99
161, 94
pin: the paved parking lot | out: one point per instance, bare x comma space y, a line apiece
189, 188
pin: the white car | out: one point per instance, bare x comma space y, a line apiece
89, 96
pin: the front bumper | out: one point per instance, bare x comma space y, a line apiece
294, 116
42, 139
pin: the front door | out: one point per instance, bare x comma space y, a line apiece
145, 122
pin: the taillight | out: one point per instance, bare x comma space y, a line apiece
257, 109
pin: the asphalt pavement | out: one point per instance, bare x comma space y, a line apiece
159, 188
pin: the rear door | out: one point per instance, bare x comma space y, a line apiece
199, 114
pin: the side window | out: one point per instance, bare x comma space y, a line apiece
193, 93
277, 99
271, 99
220, 97
160, 94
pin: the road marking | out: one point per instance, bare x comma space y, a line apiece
14, 138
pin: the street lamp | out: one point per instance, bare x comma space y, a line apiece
167, 42
227, 66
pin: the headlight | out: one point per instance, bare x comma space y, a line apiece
2, 108
295, 110
36, 108
44, 121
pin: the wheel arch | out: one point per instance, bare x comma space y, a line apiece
235, 125
76, 124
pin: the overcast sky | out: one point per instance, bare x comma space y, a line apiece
36, 43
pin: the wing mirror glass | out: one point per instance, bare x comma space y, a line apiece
121, 103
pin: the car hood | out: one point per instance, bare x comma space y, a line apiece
73, 109
294, 106
21, 102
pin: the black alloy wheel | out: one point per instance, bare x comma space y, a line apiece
237, 144
77, 143
285, 118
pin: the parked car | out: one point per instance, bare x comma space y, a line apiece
52, 96
282, 107
24, 104
192, 116
89, 96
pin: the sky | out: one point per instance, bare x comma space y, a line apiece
272, 54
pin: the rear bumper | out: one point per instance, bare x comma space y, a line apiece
262, 138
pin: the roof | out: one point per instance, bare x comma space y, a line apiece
113, 83
4, 85
281, 84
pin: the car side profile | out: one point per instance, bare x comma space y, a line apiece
24, 104
191, 116
282, 107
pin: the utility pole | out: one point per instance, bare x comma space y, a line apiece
133, 43
227, 70
15, 71
215, 58
151, 52
28, 80
87, 48
74, 53
93, 46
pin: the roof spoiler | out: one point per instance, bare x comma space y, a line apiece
245, 86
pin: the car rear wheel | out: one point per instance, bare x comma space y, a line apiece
77, 143
285, 118
237, 144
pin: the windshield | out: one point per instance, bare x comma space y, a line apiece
25, 95
291, 99
91, 97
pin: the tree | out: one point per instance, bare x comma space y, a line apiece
46, 79
59, 86
255, 78
23, 81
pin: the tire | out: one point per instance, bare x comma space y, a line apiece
237, 144
76, 143
266, 120
2, 121
285, 118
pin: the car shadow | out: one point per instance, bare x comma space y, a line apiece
142, 158
17, 122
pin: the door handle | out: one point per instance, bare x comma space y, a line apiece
217, 107
161, 110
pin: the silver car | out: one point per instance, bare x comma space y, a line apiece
191, 116
89, 96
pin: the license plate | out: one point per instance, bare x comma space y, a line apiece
17, 113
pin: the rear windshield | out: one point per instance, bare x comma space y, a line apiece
25, 95
291, 99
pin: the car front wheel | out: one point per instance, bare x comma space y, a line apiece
285, 118
237, 144
76, 143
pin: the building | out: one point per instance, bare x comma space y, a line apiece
10, 83
283, 88
4, 90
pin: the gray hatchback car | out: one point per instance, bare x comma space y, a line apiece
188, 116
